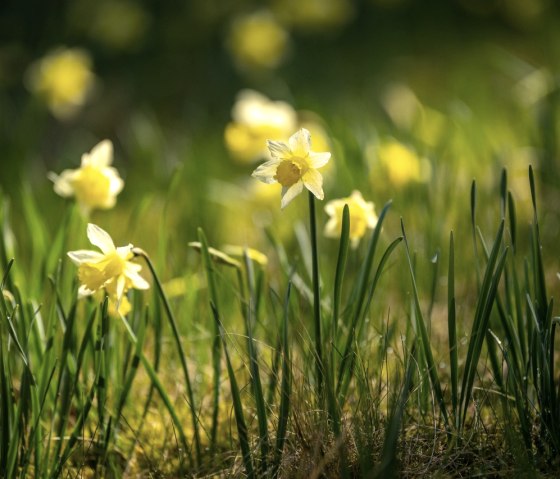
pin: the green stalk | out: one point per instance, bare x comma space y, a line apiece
285, 388
182, 356
316, 297
250, 319
216, 342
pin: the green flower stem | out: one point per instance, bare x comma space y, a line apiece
182, 356
316, 296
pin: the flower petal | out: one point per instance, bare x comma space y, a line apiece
300, 143
313, 181
137, 281
63, 183
332, 206
100, 238
278, 149
125, 252
288, 194
116, 184
84, 256
317, 160
101, 155
84, 291
332, 228
267, 171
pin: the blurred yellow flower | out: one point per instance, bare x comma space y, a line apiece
256, 119
401, 104
362, 217
64, 79
112, 269
253, 254
294, 166
95, 184
402, 164
258, 41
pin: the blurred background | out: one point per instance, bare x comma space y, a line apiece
413, 98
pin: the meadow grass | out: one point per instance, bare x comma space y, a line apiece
345, 365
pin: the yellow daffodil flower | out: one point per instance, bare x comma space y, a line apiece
362, 217
256, 119
294, 166
258, 41
95, 184
64, 79
110, 269
402, 164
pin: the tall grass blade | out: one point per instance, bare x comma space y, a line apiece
424, 339
319, 362
357, 299
388, 467
339, 275
346, 375
237, 404
256, 384
487, 295
216, 348
285, 387
161, 390
180, 350
452, 327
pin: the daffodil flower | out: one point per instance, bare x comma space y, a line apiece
64, 79
362, 217
294, 166
111, 269
95, 184
256, 118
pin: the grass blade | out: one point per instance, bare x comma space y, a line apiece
452, 327
285, 387
424, 339
484, 305
237, 405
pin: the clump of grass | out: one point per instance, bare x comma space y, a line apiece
367, 397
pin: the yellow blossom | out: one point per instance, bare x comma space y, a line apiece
294, 166
111, 269
258, 41
95, 184
253, 254
362, 217
402, 164
256, 119
64, 79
